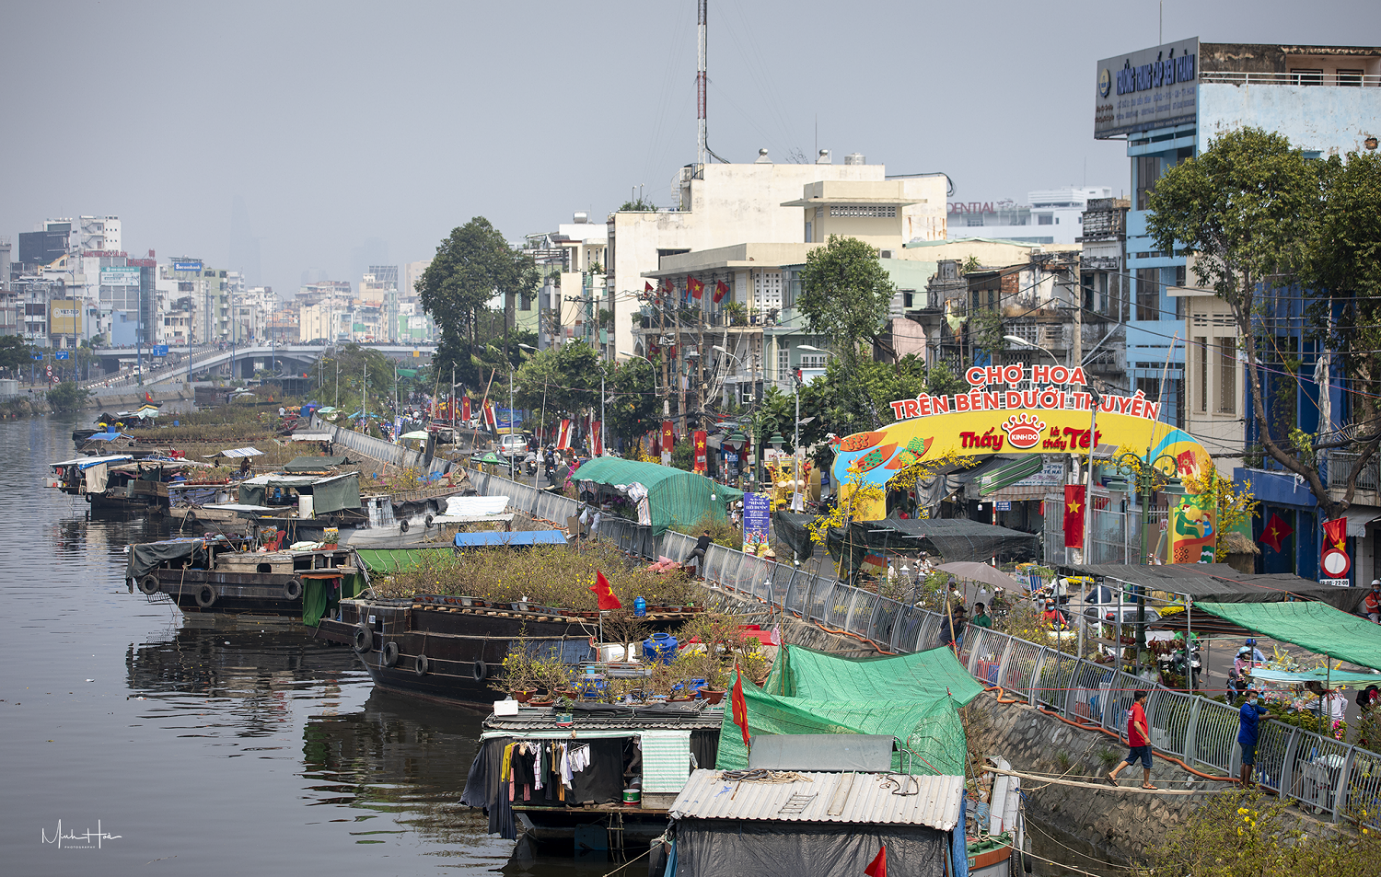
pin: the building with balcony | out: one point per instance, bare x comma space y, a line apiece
1169, 102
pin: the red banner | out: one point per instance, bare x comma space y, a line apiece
489, 416
1074, 516
668, 437
596, 446
464, 407
1276, 532
563, 435
701, 456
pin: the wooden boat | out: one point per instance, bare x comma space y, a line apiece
218, 575
122, 482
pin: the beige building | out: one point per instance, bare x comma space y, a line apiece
1215, 378
723, 205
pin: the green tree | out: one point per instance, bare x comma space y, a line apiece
471, 266
68, 396
1252, 209
565, 378
634, 408
846, 292
345, 375
14, 353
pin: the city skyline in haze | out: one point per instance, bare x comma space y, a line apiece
303, 141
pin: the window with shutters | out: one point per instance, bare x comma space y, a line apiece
1200, 358
1227, 376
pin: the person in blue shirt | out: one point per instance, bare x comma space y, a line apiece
1249, 719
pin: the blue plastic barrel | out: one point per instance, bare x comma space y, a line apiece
660, 648
639, 606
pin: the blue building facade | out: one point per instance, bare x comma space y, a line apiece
1169, 102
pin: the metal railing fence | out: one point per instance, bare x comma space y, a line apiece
1313, 770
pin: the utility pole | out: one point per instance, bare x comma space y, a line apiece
702, 141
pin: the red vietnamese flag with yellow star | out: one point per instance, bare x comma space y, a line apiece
604, 593
697, 288
720, 289
1276, 532
1074, 516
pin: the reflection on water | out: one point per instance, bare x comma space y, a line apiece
210, 745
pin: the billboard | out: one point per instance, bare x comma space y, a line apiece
119, 276
194, 267
65, 317
1152, 88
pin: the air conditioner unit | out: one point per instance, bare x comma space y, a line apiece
885, 254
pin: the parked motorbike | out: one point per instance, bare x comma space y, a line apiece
1179, 660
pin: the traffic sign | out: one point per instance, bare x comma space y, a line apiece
61, 354
1337, 583
1336, 564
38, 357
160, 350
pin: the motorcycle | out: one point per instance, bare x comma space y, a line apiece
530, 465
1178, 661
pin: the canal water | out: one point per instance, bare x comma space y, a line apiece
136, 741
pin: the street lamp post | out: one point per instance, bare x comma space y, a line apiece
1145, 477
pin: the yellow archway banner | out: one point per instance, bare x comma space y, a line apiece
1014, 409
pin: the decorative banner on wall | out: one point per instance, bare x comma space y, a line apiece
464, 407
1012, 409
1193, 530
701, 455
668, 441
757, 511
1074, 516
596, 446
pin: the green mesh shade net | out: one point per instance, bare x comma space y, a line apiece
914, 698
1317, 627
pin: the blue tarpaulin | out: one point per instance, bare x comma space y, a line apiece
525, 538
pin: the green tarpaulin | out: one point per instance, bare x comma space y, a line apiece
315, 593
386, 561
914, 698
930, 675
1315, 626
674, 496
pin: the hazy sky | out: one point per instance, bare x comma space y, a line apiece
316, 138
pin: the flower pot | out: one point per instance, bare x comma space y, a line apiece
682, 698
541, 703
712, 696
522, 696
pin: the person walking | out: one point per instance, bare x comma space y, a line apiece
1248, 726
981, 618
1139, 741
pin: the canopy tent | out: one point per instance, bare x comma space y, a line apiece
328, 494
490, 458
1221, 583
315, 464
914, 698
474, 510
310, 437
1315, 626
664, 495
981, 572
954, 539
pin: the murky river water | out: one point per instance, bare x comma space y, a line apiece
203, 746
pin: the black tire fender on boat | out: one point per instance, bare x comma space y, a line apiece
388, 655
293, 589
364, 638
427, 522
190, 517
206, 596
479, 670
148, 585
422, 666
402, 526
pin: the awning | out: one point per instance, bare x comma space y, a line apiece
311, 436
1010, 474
522, 539
314, 464
236, 453
1332, 678
954, 539
419, 434
1358, 517
84, 463
1314, 626
1220, 582
982, 572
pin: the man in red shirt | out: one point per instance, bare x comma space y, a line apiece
1139, 739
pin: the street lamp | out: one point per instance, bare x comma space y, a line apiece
1022, 342
1146, 477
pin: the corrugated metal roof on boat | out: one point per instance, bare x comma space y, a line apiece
863, 798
